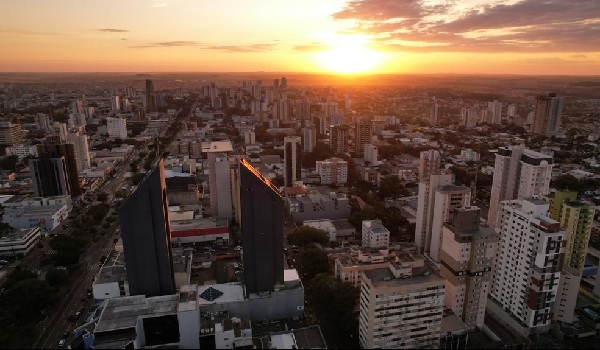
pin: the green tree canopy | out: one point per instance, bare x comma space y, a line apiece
306, 235
313, 261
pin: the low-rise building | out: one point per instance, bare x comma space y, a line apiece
316, 205
19, 242
44, 212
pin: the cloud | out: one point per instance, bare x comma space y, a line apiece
29, 32
179, 43
112, 30
241, 48
523, 26
312, 47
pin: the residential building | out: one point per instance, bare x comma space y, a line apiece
495, 109
115, 104
362, 136
10, 134
82, 152
22, 151
310, 138
447, 198
468, 155
401, 306
49, 176
371, 154
425, 208
220, 185
338, 139
466, 261
556, 200
434, 115
262, 231
146, 233
528, 263
547, 115
292, 153
316, 205
150, 105
332, 171
117, 127
518, 173
576, 219
375, 235
429, 164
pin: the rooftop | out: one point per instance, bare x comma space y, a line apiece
217, 146
228, 292
385, 278
122, 313
111, 274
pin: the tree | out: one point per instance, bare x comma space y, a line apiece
18, 275
56, 278
390, 186
102, 196
306, 235
313, 261
9, 163
357, 218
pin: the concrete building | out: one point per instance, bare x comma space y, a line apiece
375, 235
310, 138
201, 230
528, 263
19, 242
576, 219
150, 104
338, 139
547, 115
495, 109
468, 155
146, 233
556, 200
65, 151
518, 173
82, 151
332, 171
434, 115
115, 104
10, 134
447, 198
24, 212
362, 136
316, 205
466, 262
336, 229
220, 185
262, 231
116, 127
111, 279
401, 306
371, 154
49, 176
349, 267
292, 156
429, 164
22, 151
425, 208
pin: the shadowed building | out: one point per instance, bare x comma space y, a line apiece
67, 151
262, 231
144, 219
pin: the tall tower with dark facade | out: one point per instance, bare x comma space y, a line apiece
67, 151
150, 107
262, 231
292, 151
144, 219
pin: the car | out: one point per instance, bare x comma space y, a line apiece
237, 248
77, 314
61, 343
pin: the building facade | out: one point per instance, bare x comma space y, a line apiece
292, 152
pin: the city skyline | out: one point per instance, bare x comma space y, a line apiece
370, 36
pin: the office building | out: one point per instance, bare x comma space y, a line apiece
146, 233
429, 164
528, 263
310, 138
425, 209
117, 127
292, 153
401, 306
518, 173
262, 231
547, 115
10, 134
338, 139
434, 115
362, 136
446, 199
66, 151
150, 105
466, 262
576, 219
375, 235
332, 171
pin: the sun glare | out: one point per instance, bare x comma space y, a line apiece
349, 55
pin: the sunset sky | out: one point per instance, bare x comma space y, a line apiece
378, 36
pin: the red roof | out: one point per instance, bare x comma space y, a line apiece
200, 232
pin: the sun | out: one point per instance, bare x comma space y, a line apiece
349, 54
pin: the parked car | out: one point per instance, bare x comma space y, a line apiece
61, 343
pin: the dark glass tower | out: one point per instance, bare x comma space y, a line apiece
262, 231
67, 151
144, 219
150, 105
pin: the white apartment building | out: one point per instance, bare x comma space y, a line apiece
249, 137
220, 185
10, 134
401, 306
495, 109
429, 164
82, 151
19, 242
468, 155
527, 268
371, 154
115, 104
22, 151
333, 171
292, 149
466, 261
116, 127
374, 234
310, 138
446, 199
349, 267
519, 173
425, 205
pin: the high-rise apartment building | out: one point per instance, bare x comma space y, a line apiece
547, 115
446, 199
429, 164
10, 134
401, 307
67, 152
115, 104
518, 173
146, 234
528, 262
219, 182
332, 171
310, 138
434, 115
284, 83
82, 152
338, 139
117, 127
362, 136
576, 219
150, 104
375, 235
556, 200
292, 153
466, 261
371, 154
495, 109
425, 208
262, 231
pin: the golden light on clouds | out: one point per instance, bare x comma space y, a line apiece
349, 54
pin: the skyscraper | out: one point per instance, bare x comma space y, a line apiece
466, 261
144, 220
49, 176
518, 173
338, 139
434, 116
362, 133
495, 109
528, 262
150, 105
220, 185
284, 83
82, 153
292, 151
262, 231
429, 164
67, 151
310, 138
547, 115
